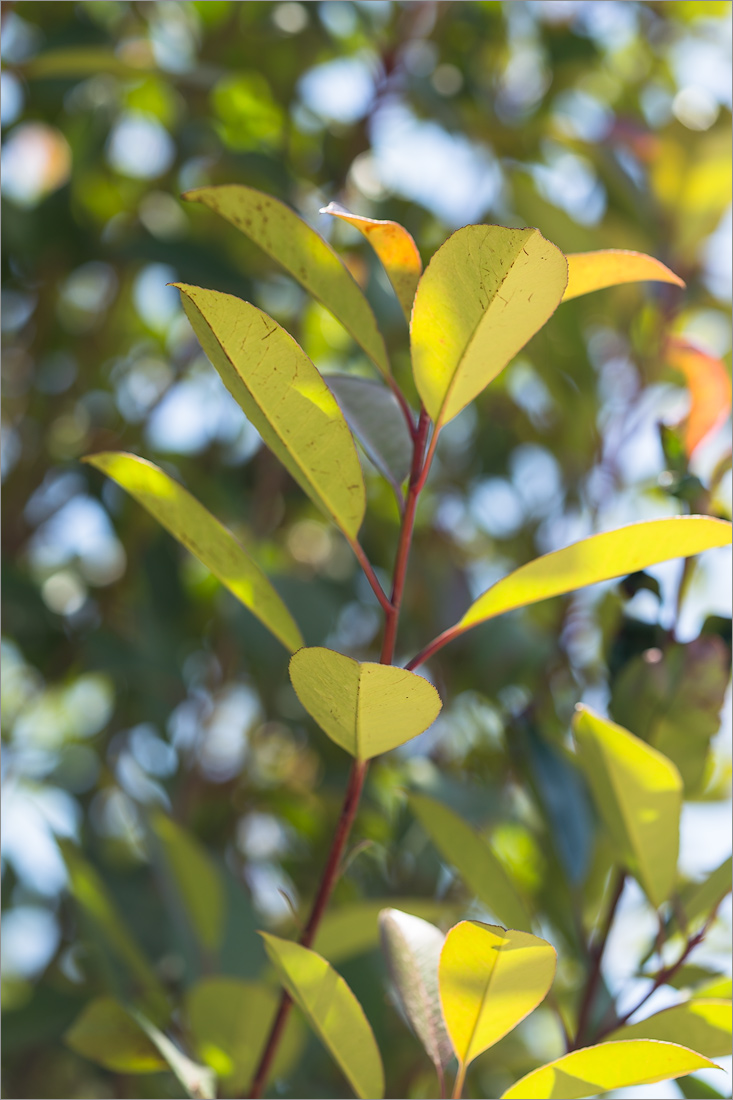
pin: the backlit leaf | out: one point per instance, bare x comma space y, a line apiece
483, 295
365, 708
589, 271
198, 1081
698, 899
710, 389
282, 234
196, 878
638, 793
374, 416
607, 1066
703, 1024
106, 1034
332, 1011
202, 534
352, 929
284, 396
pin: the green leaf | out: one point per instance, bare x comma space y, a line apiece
284, 396
229, 1022
365, 708
202, 534
589, 271
353, 929
282, 234
471, 855
490, 980
598, 558
698, 899
395, 248
704, 1024
76, 61
638, 793
106, 1034
196, 878
374, 416
697, 1089
332, 1011
483, 295
720, 988
607, 1066
198, 1081
412, 949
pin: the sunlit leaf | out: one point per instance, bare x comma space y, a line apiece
704, 1024
638, 793
374, 416
412, 949
106, 1034
709, 384
352, 929
698, 899
198, 1081
365, 708
395, 248
284, 396
474, 860
483, 295
202, 534
607, 1066
588, 271
196, 878
333, 1012
282, 234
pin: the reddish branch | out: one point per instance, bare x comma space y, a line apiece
596, 957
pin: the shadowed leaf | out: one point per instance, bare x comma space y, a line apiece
703, 1023
374, 416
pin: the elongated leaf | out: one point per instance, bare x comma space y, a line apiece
638, 793
353, 929
490, 979
483, 295
598, 558
374, 416
694, 1087
703, 1023
472, 857
607, 1066
284, 396
333, 1012
698, 899
282, 234
202, 534
196, 878
365, 708
106, 1034
588, 271
198, 1081
710, 389
395, 248
412, 949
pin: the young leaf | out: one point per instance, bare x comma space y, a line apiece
284, 396
198, 1081
332, 1011
598, 558
282, 234
703, 1023
196, 878
471, 855
607, 1066
710, 389
490, 979
395, 248
202, 534
365, 708
374, 416
638, 793
106, 1034
483, 295
588, 271
412, 949
353, 929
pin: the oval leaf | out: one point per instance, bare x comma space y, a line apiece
202, 534
484, 294
474, 860
638, 793
395, 248
332, 1011
598, 558
588, 271
365, 708
710, 389
282, 234
374, 416
196, 879
704, 1023
412, 949
106, 1034
284, 396
607, 1066
490, 979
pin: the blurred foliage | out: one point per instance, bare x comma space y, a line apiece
136, 690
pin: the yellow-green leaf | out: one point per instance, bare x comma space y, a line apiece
365, 708
638, 793
282, 234
196, 878
473, 858
483, 295
332, 1011
106, 1034
284, 396
598, 558
490, 979
607, 1066
395, 248
703, 1024
198, 1081
588, 271
698, 899
202, 534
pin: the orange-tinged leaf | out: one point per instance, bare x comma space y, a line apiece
710, 389
588, 271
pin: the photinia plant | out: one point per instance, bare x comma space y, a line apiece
486, 291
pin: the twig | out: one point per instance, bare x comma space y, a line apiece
596, 957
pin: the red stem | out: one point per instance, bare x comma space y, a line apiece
596, 957
433, 647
